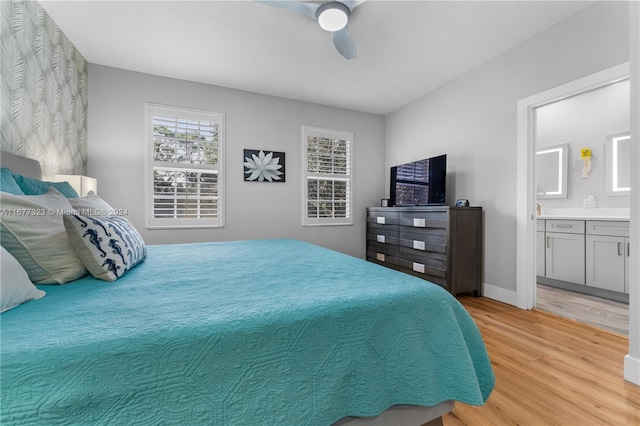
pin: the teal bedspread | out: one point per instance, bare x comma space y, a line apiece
274, 332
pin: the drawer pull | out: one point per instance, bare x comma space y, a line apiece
380, 238
628, 249
619, 249
418, 267
380, 220
418, 245
563, 226
380, 257
419, 223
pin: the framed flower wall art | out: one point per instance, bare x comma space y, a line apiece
263, 166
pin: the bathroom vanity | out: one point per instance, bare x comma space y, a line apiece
588, 254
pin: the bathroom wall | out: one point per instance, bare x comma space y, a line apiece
584, 121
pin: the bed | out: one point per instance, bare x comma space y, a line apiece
269, 332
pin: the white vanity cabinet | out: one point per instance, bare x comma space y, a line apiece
607, 255
564, 250
584, 255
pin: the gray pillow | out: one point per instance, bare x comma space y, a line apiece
33, 232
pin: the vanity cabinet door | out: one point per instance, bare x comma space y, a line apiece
540, 254
606, 262
565, 257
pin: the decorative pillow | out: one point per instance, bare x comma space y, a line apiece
91, 205
31, 186
15, 287
108, 246
9, 183
33, 232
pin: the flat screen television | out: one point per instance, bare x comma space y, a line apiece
419, 183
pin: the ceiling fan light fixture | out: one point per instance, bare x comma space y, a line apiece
333, 16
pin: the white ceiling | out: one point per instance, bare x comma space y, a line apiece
405, 48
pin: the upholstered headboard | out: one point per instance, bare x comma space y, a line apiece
21, 165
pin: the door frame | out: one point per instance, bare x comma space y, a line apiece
525, 184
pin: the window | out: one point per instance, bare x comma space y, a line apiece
327, 186
184, 173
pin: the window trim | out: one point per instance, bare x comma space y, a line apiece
152, 109
333, 134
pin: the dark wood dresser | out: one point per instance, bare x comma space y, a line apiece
441, 244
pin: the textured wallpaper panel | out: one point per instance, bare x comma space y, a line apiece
44, 90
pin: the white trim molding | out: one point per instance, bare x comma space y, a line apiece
632, 360
632, 369
500, 294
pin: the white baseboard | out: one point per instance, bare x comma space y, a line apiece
632, 369
500, 294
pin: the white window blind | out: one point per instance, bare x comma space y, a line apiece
185, 173
327, 187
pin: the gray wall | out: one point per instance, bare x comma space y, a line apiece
44, 91
254, 210
473, 119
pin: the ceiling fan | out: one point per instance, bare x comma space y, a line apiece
332, 16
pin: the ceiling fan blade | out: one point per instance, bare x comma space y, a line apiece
304, 8
352, 4
343, 41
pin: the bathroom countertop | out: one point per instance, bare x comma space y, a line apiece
613, 214
601, 213
585, 217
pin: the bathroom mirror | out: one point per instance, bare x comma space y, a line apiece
617, 148
551, 171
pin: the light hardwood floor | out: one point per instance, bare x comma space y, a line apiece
601, 313
549, 371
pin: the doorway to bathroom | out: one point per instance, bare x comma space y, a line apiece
582, 185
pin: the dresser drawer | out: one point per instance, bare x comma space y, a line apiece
431, 234
383, 238
425, 220
388, 249
383, 217
436, 244
565, 226
382, 258
422, 270
604, 227
385, 234
435, 215
431, 259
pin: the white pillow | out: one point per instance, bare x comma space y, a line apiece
108, 246
15, 286
33, 232
91, 205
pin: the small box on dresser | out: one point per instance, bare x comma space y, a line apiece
441, 244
